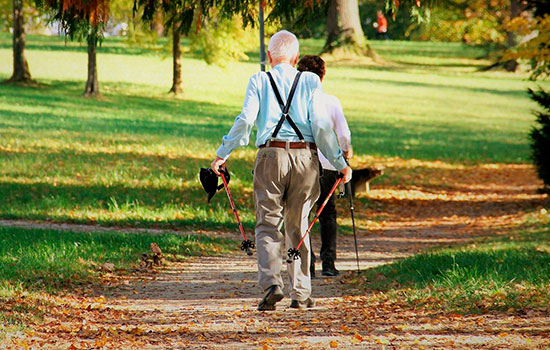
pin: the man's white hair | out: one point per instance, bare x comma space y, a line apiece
283, 45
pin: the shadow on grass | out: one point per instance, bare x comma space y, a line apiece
173, 204
53, 260
134, 115
206, 123
520, 93
437, 140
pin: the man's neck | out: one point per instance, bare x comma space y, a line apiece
276, 63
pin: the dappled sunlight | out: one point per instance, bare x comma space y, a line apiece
421, 195
419, 204
452, 141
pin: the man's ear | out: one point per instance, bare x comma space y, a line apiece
295, 60
269, 58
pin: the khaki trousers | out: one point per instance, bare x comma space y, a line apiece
286, 186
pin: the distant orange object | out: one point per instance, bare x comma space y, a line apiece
382, 24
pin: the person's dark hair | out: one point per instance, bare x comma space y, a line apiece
314, 64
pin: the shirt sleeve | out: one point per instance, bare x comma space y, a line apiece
341, 126
239, 135
323, 133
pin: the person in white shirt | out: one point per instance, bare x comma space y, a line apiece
329, 175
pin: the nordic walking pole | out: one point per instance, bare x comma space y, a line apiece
351, 209
294, 253
246, 244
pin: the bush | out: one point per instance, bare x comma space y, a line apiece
540, 137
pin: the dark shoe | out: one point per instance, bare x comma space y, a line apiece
329, 269
302, 304
312, 271
273, 295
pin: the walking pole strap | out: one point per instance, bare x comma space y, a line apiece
285, 107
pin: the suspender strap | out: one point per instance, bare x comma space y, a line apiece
285, 107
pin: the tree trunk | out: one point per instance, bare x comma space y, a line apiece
344, 31
515, 11
177, 87
21, 73
157, 25
92, 85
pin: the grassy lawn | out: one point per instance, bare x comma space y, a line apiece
57, 259
509, 274
54, 261
133, 157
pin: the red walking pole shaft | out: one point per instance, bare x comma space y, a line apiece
319, 211
246, 245
233, 206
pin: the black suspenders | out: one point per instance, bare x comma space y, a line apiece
285, 107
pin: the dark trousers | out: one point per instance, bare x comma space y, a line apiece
382, 36
327, 219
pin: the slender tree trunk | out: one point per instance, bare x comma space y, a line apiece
515, 11
344, 31
92, 84
177, 87
157, 25
21, 71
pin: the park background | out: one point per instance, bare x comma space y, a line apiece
436, 106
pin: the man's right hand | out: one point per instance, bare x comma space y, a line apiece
347, 174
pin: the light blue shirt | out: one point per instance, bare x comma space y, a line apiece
307, 110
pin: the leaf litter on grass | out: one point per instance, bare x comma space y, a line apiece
210, 302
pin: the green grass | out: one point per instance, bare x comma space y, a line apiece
133, 157
507, 274
53, 260
37, 260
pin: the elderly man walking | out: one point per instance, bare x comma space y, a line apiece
292, 123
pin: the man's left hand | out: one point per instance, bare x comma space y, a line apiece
217, 164
347, 174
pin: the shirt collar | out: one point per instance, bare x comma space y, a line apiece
284, 67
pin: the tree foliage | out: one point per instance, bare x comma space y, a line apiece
540, 137
186, 11
78, 16
222, 40
477, 22
535, 45
419, 9
5, 15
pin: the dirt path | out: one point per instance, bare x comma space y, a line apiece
210, 302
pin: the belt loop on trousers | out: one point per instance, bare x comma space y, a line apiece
268, 143
287, 145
